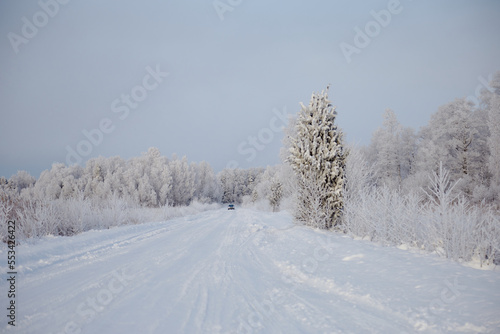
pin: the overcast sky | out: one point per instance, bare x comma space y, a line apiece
234, 72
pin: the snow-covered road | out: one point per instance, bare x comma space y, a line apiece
242, 271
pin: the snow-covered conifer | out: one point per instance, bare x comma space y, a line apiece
317, 156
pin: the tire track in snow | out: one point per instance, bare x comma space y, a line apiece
158, 275
294, 294
82, 255
213, 272
210, 271
364, 303
65, 268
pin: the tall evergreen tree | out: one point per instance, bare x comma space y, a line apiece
317, 156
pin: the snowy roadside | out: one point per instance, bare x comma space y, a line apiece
243, 271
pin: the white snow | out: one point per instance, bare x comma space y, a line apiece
242, 271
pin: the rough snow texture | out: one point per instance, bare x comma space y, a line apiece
243, 271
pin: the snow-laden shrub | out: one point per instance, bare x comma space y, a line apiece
39, 217
441, 220
384, 215
6, 214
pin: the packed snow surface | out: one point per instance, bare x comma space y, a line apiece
243, 271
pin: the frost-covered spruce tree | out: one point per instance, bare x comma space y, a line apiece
317, 156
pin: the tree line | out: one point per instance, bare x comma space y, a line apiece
462, 136
437, 188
